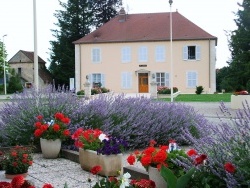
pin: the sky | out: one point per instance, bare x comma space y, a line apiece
16, 20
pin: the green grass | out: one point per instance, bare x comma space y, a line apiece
225, 97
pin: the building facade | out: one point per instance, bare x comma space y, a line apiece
130, 52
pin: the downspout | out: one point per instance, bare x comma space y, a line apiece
209, 83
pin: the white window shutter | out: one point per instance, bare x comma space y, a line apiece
123, 80
185, 53
129, 80
167, 79
198, 52
103, 80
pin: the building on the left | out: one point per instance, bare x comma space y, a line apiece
23, 63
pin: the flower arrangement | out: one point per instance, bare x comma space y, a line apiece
159, 156
17, 160
55, 129
96, 140
243, 92
166, 90
121, 181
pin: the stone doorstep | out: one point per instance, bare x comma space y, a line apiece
136, 173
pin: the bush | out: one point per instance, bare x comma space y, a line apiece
166, 90
227, 142
81, 92
18, 115
199, 90
15, 84
136, 120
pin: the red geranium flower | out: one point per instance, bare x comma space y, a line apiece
56, 127
47, 185
146, 160
66, 132
65, 120
38, 132
192, 152
17, 181
39, 117
131, 159
38, 124
229, 167
59, 116
96, 169
5, 185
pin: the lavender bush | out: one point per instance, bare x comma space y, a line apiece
226, 142
18, 115
136, 120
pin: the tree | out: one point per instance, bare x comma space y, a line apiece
239, 46
15, 84
2, 58
74, 22
104, 10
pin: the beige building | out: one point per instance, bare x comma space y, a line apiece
131, 51
23, 63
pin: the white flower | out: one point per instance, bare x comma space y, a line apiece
103, 137
51, 122
125, 180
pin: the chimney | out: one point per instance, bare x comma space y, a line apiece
122, 15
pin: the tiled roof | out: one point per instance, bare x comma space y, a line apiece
146, 27
30, 55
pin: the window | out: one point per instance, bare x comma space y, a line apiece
97, 79
162, 79
191, 53
126, 79
191, 79
126, 54
160, 54
19, 71
96, 55
143, 54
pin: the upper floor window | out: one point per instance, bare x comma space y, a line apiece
191, 53
143, 54
162, 79
96, 55
126, 54
160, 54
191, 79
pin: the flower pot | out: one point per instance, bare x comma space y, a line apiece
11, 176
50, 148
110, 164
154, 175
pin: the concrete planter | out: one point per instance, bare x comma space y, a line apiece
238, 100
110, 164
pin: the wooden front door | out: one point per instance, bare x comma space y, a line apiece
143, 82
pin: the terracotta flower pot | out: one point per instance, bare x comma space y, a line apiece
110, 164
11, 176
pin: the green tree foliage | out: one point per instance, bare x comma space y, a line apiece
15, 84
76, 20
240, 49
104, 10
2, 58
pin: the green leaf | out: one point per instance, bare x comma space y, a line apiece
183, 180
168, 176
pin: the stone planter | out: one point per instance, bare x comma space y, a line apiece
50, 148
110, 164
237, 101
154, 175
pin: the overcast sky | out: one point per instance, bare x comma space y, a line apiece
16, 20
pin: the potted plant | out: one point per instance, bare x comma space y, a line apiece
97, 148
154, 157
52, 134
17, 161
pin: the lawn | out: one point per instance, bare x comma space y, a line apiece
225, 97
